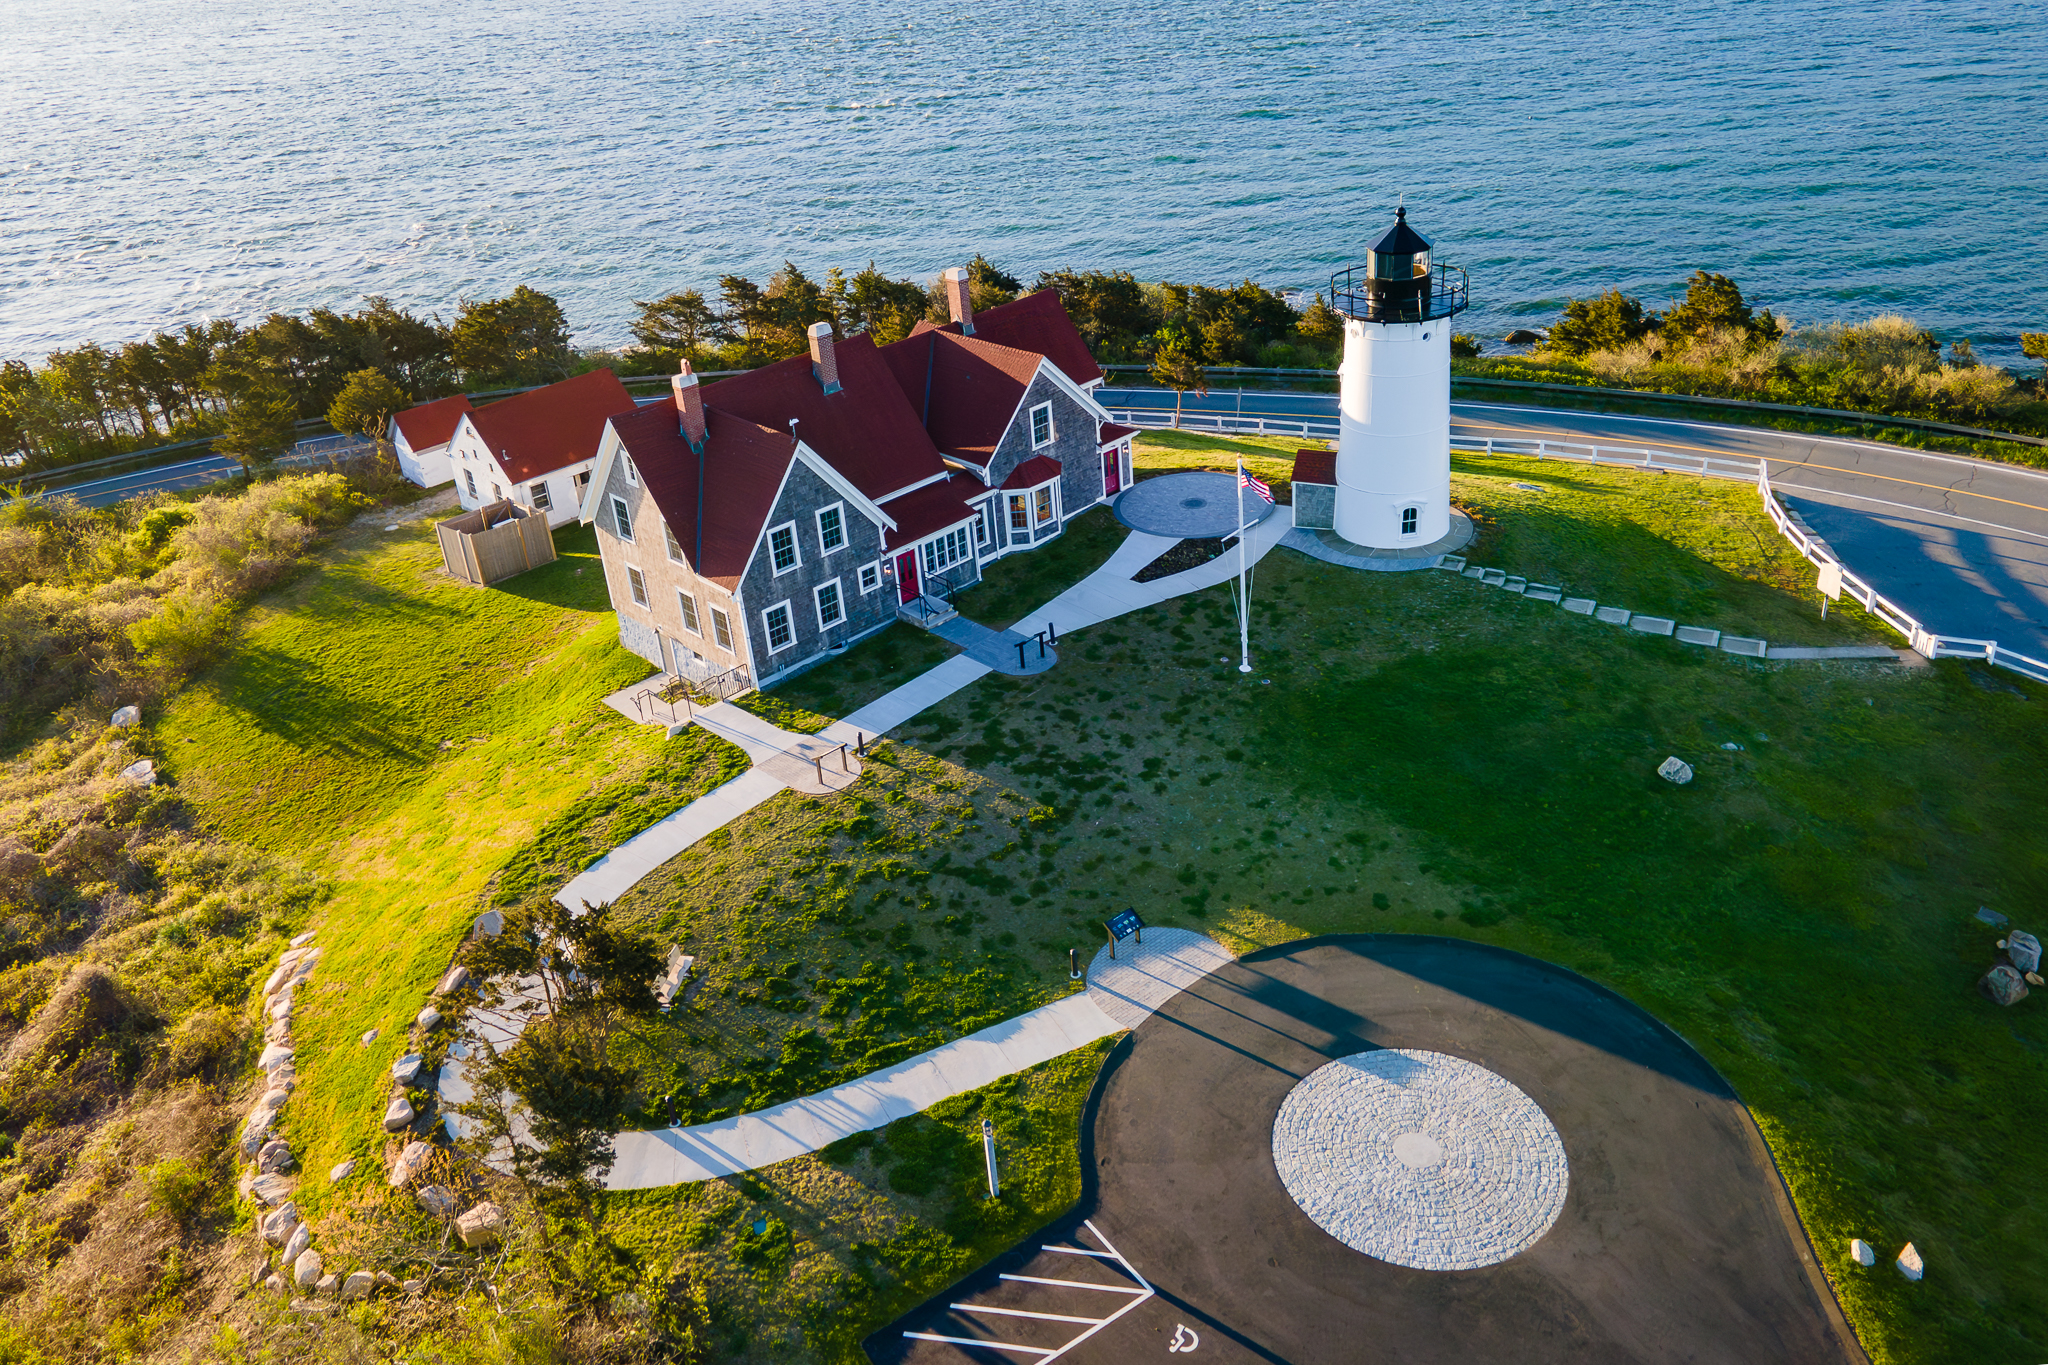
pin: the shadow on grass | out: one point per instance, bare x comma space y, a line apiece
575, 580
297, 700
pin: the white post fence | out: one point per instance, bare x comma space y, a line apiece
1747, 468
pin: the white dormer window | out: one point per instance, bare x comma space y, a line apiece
782, 551
632, 474
1041, 426
832, 527
622, 520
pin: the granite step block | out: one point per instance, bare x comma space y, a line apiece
1455, 563
1543, 592
1613, 616
1742, 644
1493, 578
1832, 652
1475, 573
1514, 584
1698, 635
1651, 625
1579, 606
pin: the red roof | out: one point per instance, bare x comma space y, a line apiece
541, 430
1039, 323
744, 464
1315, 466
431, 424
1036, 470
930, 509
866, 431
964, 388
1112, 433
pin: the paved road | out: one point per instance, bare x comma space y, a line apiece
194, 473
1960, 543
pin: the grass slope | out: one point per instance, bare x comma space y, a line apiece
407, 736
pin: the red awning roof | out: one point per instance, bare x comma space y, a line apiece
1034, 471
1112, 433
1315, 466
431, 424
926, 511
542, 430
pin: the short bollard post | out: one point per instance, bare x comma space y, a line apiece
1041, 644
816, 763
1112, 941
1020, 653
1073, 964
1052, 633
988, 1149
862, 747
843, 764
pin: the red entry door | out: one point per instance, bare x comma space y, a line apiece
906, 575
1112, 469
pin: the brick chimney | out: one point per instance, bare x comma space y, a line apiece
824, 365
689, 407
957, 302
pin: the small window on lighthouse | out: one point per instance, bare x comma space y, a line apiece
1408, 519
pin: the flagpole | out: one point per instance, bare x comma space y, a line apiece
1244, 600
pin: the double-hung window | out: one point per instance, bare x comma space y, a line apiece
539, 493
622, 520
1020, 515
1041, 504
781, 630
870, 577
638, 585
831, 611
675, 549
782, 551
632, 474
831, 528
721, 629
689, 606
1041, 426
469, 477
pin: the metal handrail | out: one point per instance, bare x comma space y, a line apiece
1449, 292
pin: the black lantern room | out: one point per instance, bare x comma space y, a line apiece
1398, 283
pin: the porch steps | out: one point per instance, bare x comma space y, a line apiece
926, 611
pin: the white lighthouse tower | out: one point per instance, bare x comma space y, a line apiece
1394, 403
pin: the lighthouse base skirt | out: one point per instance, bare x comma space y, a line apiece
1332, 548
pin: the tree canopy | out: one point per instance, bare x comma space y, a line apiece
520, 339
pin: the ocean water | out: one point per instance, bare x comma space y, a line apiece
169, 160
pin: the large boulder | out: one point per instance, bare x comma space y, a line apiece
256, 1130
1675, 770
438, 1200
274, 1056
271, 1189
275, 1156
1862, 1251
1910, 1264
127, 716
357, 1286
482, 1225
406, 1070
457, 978
2003, 986
489, 924
277, 1226
428, 1019
306, 1270
342, 1171
2024, 950
295, 1245
399, 1116
410, 1163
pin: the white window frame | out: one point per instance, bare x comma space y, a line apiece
768, 627
838, 509
675, 547
686, 606
796, 549
496, 496
838, 600
721, 630
1411, 520
943, 551
636, 586
870, 577
469, 477
626, 464
538, 493
1045, 505
1019, 506
1045, 408
622, 520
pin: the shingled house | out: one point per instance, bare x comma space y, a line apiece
767, 520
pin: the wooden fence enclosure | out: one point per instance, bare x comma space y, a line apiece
494, 542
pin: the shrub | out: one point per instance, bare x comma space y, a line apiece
177, 1189
185, 633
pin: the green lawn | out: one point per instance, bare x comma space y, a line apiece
407, 736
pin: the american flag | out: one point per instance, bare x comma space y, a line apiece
1249, 480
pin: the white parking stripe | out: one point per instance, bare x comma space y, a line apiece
1020, 1313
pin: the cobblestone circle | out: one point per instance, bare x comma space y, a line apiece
1420, 1159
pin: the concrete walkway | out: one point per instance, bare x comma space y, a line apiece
1121, 994
998, 649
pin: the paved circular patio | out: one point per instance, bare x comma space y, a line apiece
1195, 503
